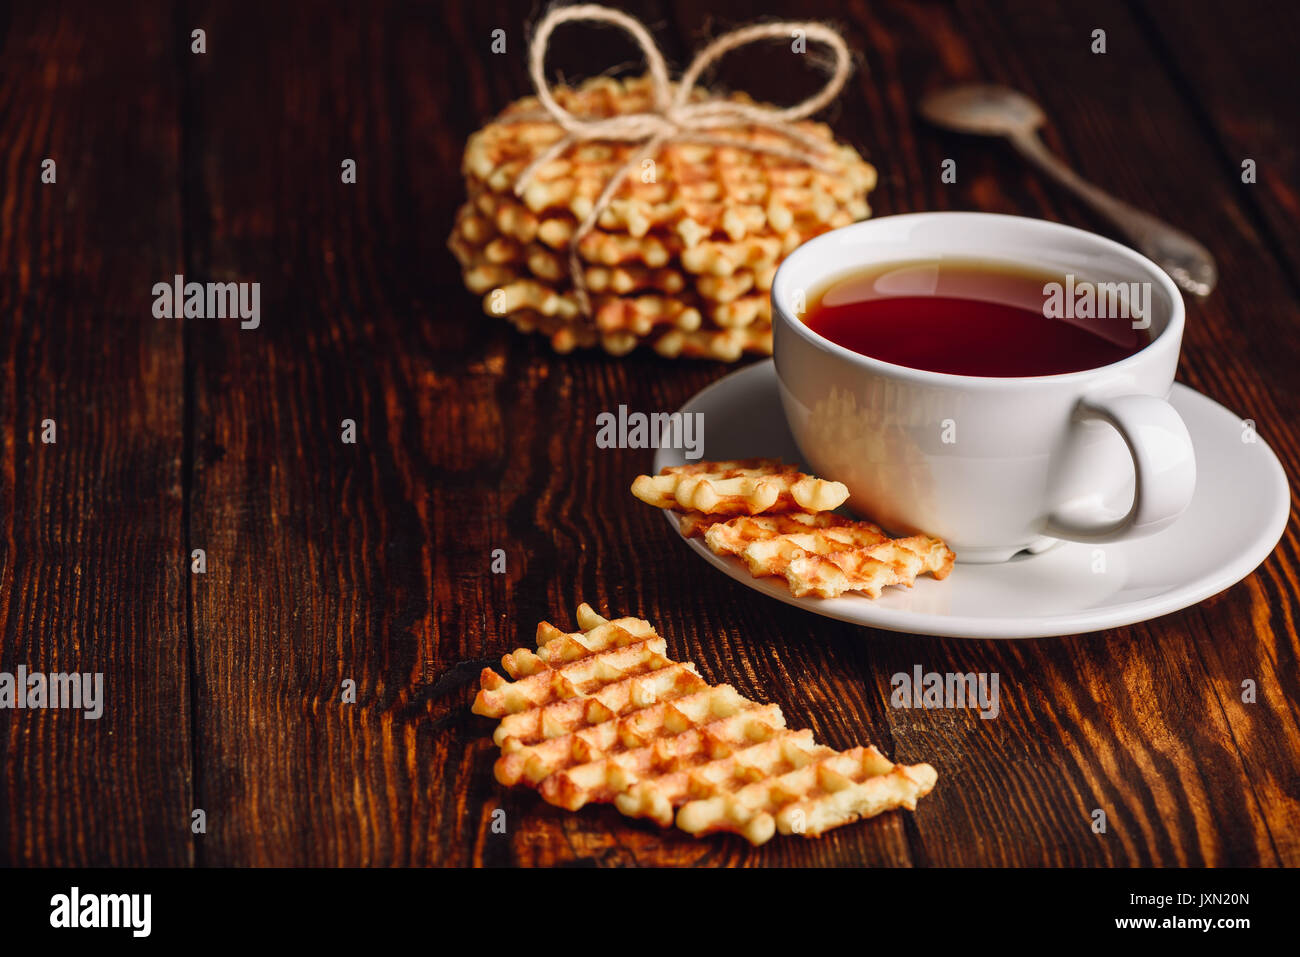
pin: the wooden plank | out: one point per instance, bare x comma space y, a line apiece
1245, 112
315, 574
1181, 776
1239, 349
1238, 84
92, 563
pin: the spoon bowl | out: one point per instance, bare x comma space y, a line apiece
982, 110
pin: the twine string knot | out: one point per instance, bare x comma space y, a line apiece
676, 116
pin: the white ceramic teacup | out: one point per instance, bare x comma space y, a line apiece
992, 465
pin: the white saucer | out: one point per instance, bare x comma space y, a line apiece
1238, 514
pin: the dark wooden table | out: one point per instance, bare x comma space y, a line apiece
371, 562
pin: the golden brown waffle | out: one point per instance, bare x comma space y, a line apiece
779, 522
807, 791
692, 524
748, 487
826, 561
702, 234
602, 715
735, 536
724, 189
865, 569
727, 345
831, 560
633, 304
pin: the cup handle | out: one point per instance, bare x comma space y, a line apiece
1164, 467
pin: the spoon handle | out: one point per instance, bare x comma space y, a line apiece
1188, 262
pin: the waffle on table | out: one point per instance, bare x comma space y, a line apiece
602, 715
682, 263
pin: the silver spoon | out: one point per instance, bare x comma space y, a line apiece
999, 111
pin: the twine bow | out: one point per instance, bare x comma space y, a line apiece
676, 117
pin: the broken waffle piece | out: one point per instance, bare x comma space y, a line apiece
779, 522
809, 790
733, 535
867, 569
604, 716
746, 487
768, 549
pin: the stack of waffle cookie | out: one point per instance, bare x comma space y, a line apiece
681, 260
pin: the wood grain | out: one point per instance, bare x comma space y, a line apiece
1229, 81
92, 561
331, 562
